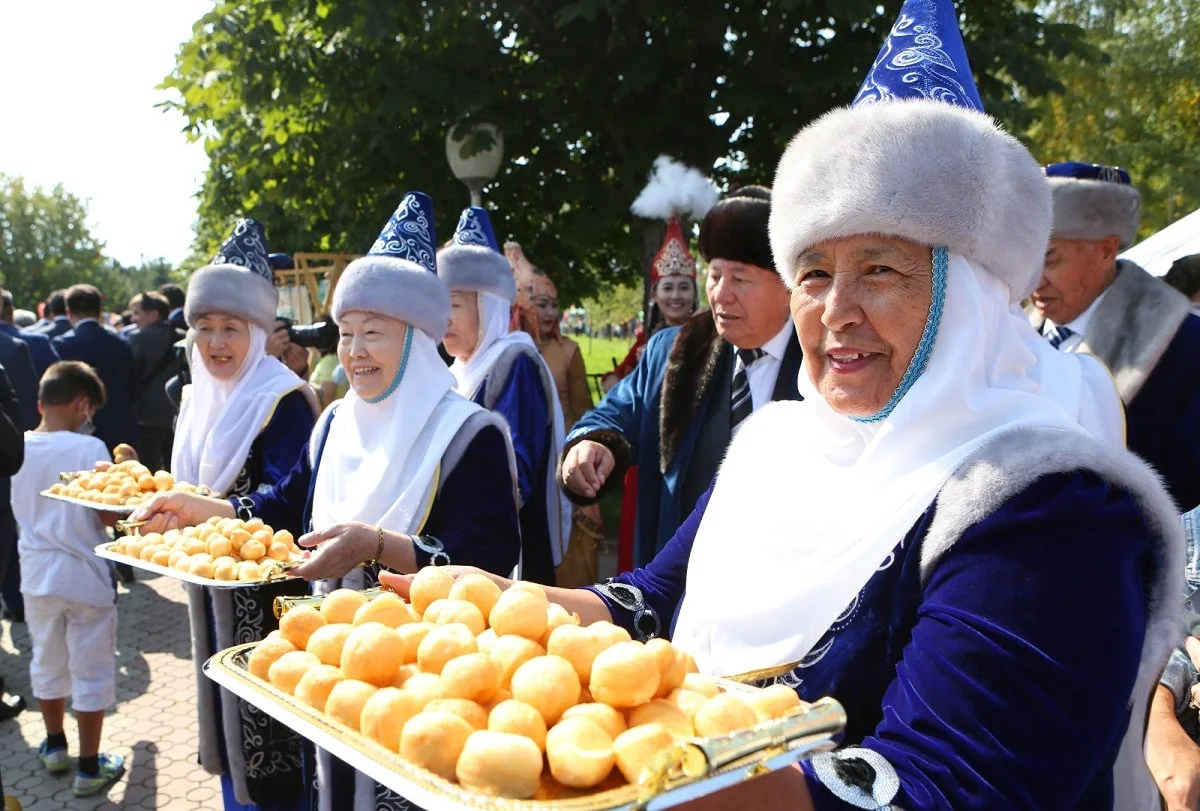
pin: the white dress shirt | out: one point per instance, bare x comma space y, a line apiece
1078, 327
763, 373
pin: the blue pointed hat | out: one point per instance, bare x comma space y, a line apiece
923, 57
410, 233
239, 281
398, 276
473, 261
475, 228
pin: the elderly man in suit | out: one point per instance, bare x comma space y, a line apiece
676, 413
41, 352
110, 355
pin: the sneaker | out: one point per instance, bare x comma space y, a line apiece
56, 761
111, 768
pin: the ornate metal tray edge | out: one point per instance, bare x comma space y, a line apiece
104, 550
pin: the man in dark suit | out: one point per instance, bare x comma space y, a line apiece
23, 383
175, 297
40, 350
15, 358
109, 354
56, 311
12, 456
676, 413
153, 342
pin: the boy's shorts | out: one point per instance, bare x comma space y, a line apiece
74, 652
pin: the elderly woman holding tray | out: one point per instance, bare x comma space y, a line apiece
929, 536
243, 423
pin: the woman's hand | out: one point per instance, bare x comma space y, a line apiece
175, 510
338, 549
399, 583
586, 468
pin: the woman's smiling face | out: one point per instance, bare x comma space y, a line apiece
222, 341
860, 305
370, 349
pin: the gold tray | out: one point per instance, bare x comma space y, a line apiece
104, 550
679, 774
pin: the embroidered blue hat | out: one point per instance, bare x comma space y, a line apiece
923, 57
915, 157
398, 276
473, 261
239, 281
475, 228
1093, 202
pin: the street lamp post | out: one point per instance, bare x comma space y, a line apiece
481, 167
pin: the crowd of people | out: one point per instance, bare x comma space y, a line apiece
932, 450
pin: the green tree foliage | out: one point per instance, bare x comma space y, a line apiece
45, 245
614, 305
318, 114
1139, 109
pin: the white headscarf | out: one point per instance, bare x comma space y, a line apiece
381, 456
810, 503
494, 338
220, 419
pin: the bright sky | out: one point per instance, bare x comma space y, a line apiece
77, 81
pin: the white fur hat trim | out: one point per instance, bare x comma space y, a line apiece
232, 290
474, 267
398, 288
1094, 209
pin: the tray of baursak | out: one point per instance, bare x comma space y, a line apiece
119, 487
474, 697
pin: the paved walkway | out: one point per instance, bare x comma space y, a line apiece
153, 725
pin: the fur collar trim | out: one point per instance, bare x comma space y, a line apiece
1132, 328
693, 360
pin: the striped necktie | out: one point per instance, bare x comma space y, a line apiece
1059, 334
741, 403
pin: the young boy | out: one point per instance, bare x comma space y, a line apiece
70, 602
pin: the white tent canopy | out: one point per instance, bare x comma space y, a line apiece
1156, 253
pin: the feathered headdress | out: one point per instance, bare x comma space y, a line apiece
674, 190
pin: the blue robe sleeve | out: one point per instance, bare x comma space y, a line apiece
283, 504
285, 437
473, 520
1003, 698
645, 601
522, 403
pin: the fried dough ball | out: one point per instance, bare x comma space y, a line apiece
278, 551
386, 609
410, 636
485, 641
510, 652
687, 700
435, 610
579, 646
179, 555
443, 643
194, 546
431, 583
610, 720
282, 536
465, 612
347, 699
326, 643
225, 569
672, 666
200, 567
286, 672
219, 546
548, 684
636, 747
248, 572
556, 615
774, 701
519, 612
723, 714
372, 654
163, 481
580, 752
473, 676
477, 589
609, 634
316, 684
340, 605
405, 673
624, 675
252, 550
519, 718
265, 653
298, 623
469, 711
425, 687
500, 764
530, 588
162, 557
434, 740
385, 714
704, 685
663, 712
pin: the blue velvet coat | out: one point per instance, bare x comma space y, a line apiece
522, 403
978, 687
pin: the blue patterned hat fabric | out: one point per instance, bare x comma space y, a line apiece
247, 248
475, 228
923, 57
1078, 170
410, 233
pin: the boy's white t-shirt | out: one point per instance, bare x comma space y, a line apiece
58, 540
